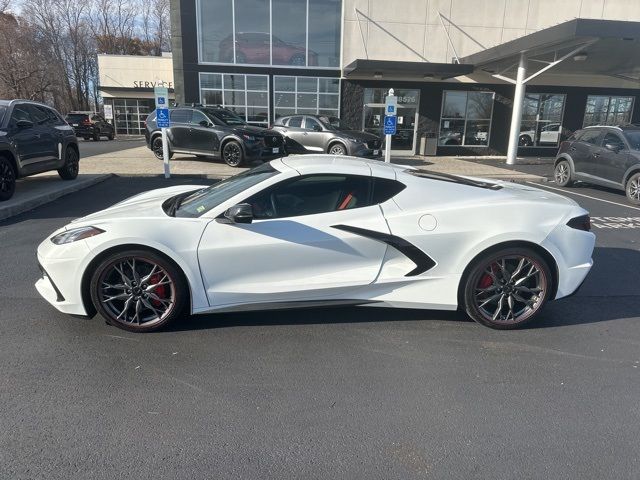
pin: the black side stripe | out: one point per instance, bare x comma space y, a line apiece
423, 261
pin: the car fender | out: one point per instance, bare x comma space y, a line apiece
190, 269
567, 157
630, 171
8, 149
341, 142
232, 136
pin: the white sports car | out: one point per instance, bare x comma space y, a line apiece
321, 230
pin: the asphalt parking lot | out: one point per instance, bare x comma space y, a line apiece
90, 147
334, 393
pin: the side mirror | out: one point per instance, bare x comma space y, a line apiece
24, 124
614, 147
241, 213
317, 128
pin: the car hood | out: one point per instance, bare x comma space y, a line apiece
251, 130
528, 192
358, 135
143, 205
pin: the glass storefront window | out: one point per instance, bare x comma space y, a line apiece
296, 33
246, 95
311, 95
607, 110
541, 124
130, 114
466, 118
406, 118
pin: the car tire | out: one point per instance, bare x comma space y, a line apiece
71, 166
503, 281
86, 139
144, 301
7, 179
562, 174
232, 154
632, 188
96, 136
525, 141
156, 147
337, 149
111, 136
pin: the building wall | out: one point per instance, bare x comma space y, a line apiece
135, 72
412, 30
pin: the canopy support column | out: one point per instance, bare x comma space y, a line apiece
516, 116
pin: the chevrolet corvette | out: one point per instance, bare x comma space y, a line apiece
321, 230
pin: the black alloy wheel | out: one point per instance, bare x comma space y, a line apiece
525, 141
7, 179
156, 147
507, 289
96, 135
562, 174
138, 291
633, 188
71, 166
232, 154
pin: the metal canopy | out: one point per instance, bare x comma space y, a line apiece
407, 70
610, 47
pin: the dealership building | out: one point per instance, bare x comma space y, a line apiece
472, 77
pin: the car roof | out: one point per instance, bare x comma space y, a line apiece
325, 163
626, 127
22, 100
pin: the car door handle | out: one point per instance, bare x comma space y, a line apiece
596, 155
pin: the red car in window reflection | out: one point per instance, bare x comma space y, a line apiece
253, 47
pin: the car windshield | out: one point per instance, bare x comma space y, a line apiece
201, 201
76, 117
333, 123
633, 137
225, 116
3, 110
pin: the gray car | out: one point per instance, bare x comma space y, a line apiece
326, 134
602, 155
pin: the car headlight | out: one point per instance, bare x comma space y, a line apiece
75, 234
251, 138
354, 140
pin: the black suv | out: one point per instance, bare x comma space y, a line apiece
34, 138
603, 155
90, 125
326, 134
215, 132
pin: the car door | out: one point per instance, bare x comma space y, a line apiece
295, 135
178, 133
47, 141
582, 151
203, 136
316, 138
25, 138
612, 158
296, 248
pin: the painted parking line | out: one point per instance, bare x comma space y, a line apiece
567, 192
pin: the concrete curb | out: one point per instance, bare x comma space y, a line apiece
41, 196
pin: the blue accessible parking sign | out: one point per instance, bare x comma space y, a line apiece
390, 125
162, 117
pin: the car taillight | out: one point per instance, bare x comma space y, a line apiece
86, 121
583, 222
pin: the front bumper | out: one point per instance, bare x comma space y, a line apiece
363, 150
259, 151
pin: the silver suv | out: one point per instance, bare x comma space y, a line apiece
602, 155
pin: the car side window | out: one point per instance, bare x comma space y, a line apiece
385, 188
311, 123
20, 112
38, 114
180, 115
198, 117
312, 195
590, 136
613, 139
295, 122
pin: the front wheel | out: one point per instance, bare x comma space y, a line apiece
71, 167
337, 149
96, 136
633, 188
138, 290
506, 289
156, 147
7, 179
232, 154
562, 174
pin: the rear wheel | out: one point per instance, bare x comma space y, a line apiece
96, 136
138, 290
232, 154
71, 166
7, 179
525, 141
111, 136
562, 174
633, 188
506, 289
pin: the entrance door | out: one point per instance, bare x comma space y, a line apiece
403, 142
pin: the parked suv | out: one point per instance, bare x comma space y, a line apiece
326, 134
90, 125
34, 138
603, 155
215, 132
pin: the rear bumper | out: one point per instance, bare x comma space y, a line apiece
84, 131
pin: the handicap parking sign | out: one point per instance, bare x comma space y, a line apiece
389, 125
162, 117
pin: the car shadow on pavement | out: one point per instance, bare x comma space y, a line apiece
610, 293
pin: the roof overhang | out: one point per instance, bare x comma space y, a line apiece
604, 47
381, 69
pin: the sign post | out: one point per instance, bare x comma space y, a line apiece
390, 122
162, 120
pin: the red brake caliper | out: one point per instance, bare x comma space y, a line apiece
486, 281
160, 290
